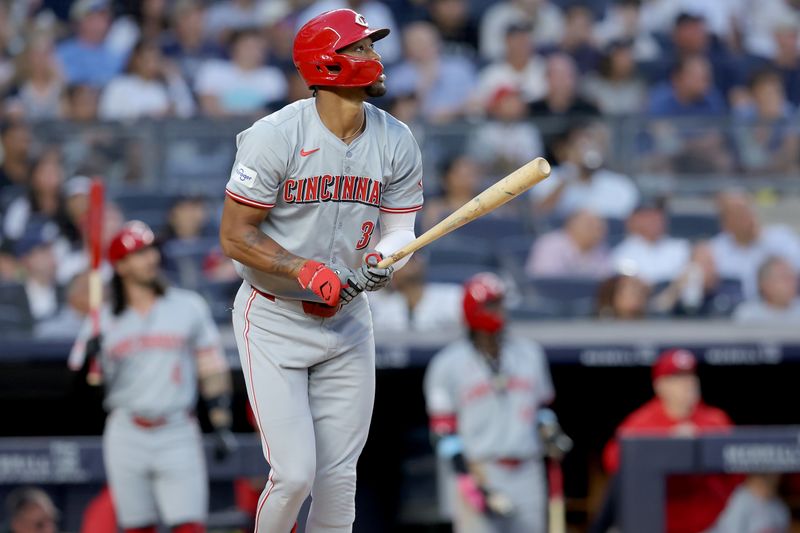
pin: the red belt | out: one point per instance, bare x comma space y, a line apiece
509, 462
149, 423
309, 308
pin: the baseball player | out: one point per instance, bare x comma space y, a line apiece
483, 397
154, 344
309, 186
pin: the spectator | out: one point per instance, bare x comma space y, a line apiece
577, 40
42, 202
68, 321
150, 88
39, 83
30, 510
693, 501
763, 24
458, 31
647, 250
778, 302
187, 219
145, 20
243, 85
578, 250
81, 103
35, 252
522, 70
689, 92
562, 98
545, 20
489, 140
377, 14
15, 141
581, 182
460, 182
622, 23
616, 88
442, 83
696, 290
187, 46
228, 17
70, 243
767, 141
743, 245
86, 58
411, 304
786, 58
622, 297
690, 146
755, 507
690, 37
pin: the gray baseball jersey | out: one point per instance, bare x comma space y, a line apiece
495, 413
151, 362
748, 513
324, 195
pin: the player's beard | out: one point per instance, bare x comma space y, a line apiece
376, 90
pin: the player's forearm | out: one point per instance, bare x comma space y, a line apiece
216, 389
251, 247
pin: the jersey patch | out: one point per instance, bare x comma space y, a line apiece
245, 176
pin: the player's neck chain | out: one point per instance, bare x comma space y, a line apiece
363, 121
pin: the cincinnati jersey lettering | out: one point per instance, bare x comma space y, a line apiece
329, 188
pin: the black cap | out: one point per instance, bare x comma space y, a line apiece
651, 202
689, 16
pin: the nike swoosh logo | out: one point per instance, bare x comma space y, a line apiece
304, 153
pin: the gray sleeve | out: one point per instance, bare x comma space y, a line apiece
545, 392
259, 168
438, 396
404, 193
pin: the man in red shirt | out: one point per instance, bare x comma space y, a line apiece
693, 501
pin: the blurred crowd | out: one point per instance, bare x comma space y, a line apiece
587, 242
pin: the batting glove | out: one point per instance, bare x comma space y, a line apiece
370, 276
471, 492
350, 286
320, 280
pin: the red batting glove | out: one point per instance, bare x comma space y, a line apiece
321, 280
471, 492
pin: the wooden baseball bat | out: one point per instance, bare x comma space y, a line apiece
95, 246
556, 510
498, 194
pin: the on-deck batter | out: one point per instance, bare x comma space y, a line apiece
154, 344
310, 185
483, 395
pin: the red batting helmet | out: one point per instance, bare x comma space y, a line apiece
133, 236
479, 291
317, 44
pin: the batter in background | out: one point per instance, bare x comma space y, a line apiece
311, 184
155, 343
484, 396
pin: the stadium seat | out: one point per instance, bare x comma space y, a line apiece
566, 297
453, 272
151, 208
15, 315
457, 249
492, 228
183, 260
693, 226
220, 295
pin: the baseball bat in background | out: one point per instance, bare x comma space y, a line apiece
556, 511
498, 194
95, 249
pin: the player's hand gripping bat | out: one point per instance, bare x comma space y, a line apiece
498, 194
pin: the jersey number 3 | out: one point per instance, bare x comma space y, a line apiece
366, 234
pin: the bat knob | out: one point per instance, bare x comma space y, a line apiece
372, 259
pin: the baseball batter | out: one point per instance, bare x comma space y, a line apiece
483, 396
310, 185
155, 343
